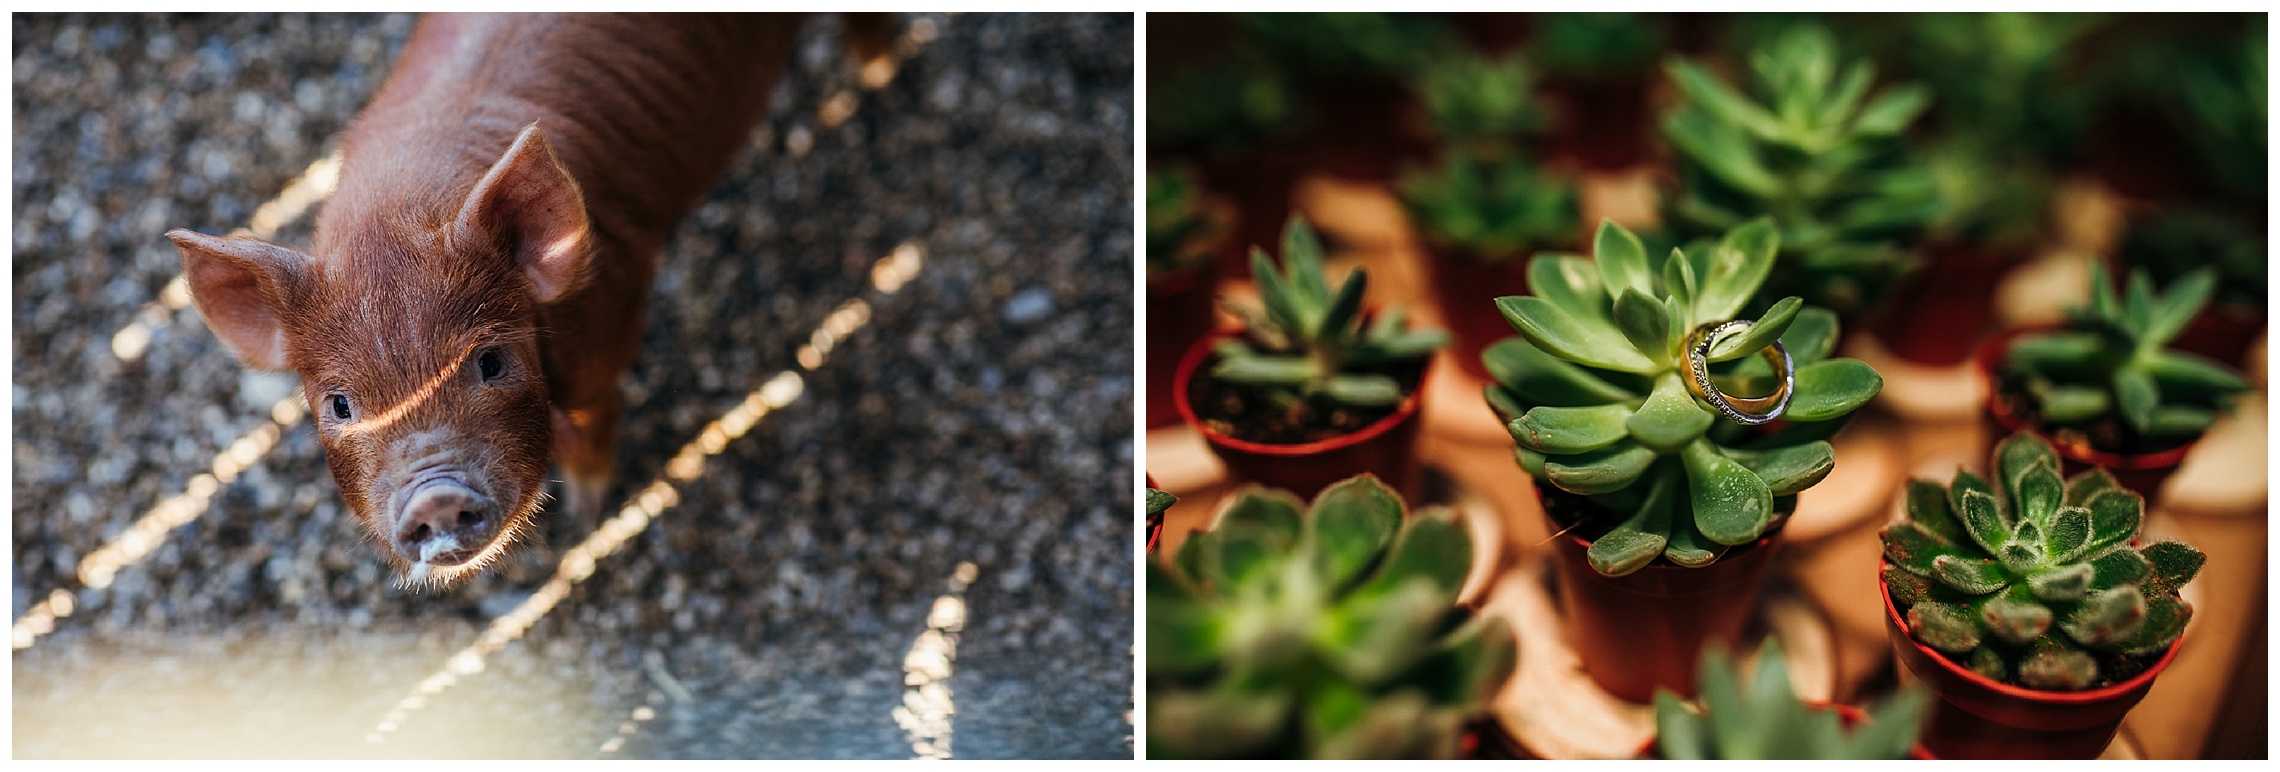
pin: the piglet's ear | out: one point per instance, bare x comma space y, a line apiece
528, 204
245, 289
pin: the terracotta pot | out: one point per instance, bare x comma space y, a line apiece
1646, 629
1179, 313
1939, 315
1467, 289
1846, 714
1385, 448
1979, 718
2144, 472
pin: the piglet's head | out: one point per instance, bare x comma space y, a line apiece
416, 340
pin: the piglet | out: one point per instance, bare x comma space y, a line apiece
478, 278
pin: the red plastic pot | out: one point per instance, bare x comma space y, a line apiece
2143, 472
1646, 629
1848, 715
1179, 313
1467, 289
1939, 315
1979, 718
1384, 448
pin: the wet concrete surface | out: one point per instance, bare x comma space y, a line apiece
965, 449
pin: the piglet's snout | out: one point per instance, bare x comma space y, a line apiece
445, 524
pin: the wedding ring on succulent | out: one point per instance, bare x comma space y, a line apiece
1746, 410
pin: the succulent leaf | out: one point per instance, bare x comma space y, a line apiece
1789, 470
1639, 539
1945, 627
1908, 545
1562, 335
1571, 283
2063, 584
2058, 667
1731, 504
1831, 388
1737, 267
2174, 562
2117, 568
1599, 471
1927, 505
1642, 322
2015, 619
1768, 328
2106, 616
1983, 519
1680, 733
1354, 520
1977, 577
1688, 547
1369, 390
2089, 484
2114, 517
1670, 418
1570, 430
1622, 261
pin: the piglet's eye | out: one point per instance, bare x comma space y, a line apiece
339, 405
488, 364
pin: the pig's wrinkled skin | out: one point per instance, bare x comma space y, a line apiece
477, 279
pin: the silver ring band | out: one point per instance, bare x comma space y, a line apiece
1743, 410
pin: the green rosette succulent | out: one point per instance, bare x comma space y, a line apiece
1330, 631
1595, 396
1224, 108
1179, 229
2033, 580
1485, 106
1815, 151
2111, 360
1307, 342
1489, 209
1765, 720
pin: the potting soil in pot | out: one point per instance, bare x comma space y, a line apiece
1259, 414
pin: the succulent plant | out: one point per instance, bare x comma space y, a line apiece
1179, 228
1598, 45
1767, 721
1308, 342
1224, 108
2110, 361
2032, 580
1338, 46
1818, 154
1158, 501
1594, 392
2001, 80
1329, 631
1485, 106
1487, 209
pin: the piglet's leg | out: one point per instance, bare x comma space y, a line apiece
585, 446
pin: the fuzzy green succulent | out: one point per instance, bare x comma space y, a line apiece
2033, 580
1594, 392
1765, 720
1815, 151
2111, 359
1492, 210
1329, 631
1307, 339
1485, 106
1179, 228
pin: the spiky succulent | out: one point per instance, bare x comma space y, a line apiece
1595, 395
1485, 106
1486, 209
1158, 502
1179, 228
1815, 152
2110, 359
1326, 632
1767, 721
2033, 580
1307, 339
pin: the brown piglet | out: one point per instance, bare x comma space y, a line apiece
477, 281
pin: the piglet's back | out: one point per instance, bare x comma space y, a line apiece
644, 111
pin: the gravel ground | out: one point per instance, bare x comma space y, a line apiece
981, 416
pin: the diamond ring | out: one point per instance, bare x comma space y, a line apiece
1745, 410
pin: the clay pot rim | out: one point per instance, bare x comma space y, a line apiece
1992, 351
2138, 682
1201, 351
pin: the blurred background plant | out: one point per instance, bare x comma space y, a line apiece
1330, 631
